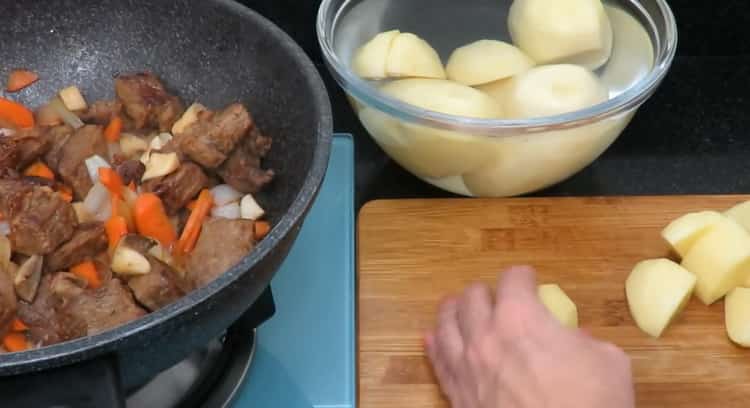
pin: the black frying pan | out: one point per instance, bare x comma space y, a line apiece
214, 51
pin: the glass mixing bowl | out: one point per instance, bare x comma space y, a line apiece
493, 157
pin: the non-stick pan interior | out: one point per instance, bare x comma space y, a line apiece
203, 50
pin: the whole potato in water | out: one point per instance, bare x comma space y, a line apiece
551, 90
555, 31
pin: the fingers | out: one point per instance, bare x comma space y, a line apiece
450, 344
517, 282
474, 311
517, 298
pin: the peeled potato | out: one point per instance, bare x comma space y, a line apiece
445, 97
370, 60
551, 31
657, 290
632, 51
682, 233
720, 260
437, 153
737, 316
741, 214
497, 89
552, 90
411, 56
559, 304
526, 163
486, 61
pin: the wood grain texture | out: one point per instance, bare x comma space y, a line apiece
412, 253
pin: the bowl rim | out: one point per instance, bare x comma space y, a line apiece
631, 98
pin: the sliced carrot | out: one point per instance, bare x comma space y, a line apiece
151, 220
113, 129
193, 226
39, 169
87, 270
15, 342
191, 205
261, 229
20, 78
116, 227
16, 113
66, 192
17, 325
111, 180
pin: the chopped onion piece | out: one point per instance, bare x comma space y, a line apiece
230, 211
224, 194
92, 165
67, 116
72, 98
27, 278
4, 228
250, 209
97, 202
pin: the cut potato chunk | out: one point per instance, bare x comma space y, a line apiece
160, 164
188, 118
485, 61
411, 56
559, 304
737, 316
551, 31
720, 260
741, 214
552, 90
682, 233
370, 60
657, 290
127, 261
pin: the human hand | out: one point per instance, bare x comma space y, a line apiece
512, 353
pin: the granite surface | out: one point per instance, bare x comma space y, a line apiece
691, 137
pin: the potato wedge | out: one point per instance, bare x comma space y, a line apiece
411, 56
741, 214
737, 316
554, 31
369, 61
559, 304
486, 61
657, 290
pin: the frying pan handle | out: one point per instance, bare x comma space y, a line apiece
90, 384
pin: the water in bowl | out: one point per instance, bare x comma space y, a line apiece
516, 165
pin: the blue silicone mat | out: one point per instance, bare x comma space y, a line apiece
305, 355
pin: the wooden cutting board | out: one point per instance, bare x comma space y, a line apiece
414, 252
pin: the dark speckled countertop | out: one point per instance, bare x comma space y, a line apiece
691, 137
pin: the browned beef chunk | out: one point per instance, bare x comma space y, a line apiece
147, 102
101, 112
104, 308
9, 153
48, 324
157, 288
86, 142
87, 242
57, 137
131, 170
221, 245
209, 140
8, 302
242, 169
179, 187
33, 143
40, 220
